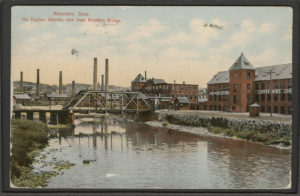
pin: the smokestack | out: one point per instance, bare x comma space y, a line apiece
183, 82
38, 82
73, 87
21, 81
60, 82
145, 75
95, 75
102, 82
106, 74
174, 81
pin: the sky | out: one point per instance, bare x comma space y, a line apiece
171, 43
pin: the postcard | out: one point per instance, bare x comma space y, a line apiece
151, 97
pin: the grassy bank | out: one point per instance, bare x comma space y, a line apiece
252, 135
27, 138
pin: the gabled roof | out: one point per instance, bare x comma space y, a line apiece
220, 78
254, 105
202, 98
182, 100
282, 71
21, 96
139, 78
241, 63
158, 81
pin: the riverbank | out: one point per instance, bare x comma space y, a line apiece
268, 132
28, 140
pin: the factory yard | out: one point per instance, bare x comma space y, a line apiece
263, 116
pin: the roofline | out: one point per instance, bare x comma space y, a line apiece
220, 83
275, 65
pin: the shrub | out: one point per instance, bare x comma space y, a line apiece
26, 136
165, 123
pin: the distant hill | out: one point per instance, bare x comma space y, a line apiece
67, 88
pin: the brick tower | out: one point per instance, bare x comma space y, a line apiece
242, 75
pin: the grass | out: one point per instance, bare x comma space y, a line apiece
165, 123
252, 135
26, 137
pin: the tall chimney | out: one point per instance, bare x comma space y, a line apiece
102, 82
21, 81
174, 81
106, 74
145, 75
60, 82
73, 87
95, 75
183, 82
38, 82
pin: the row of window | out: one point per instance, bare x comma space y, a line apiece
217, 107
262, 86
275, 97
257, 98
220, 97
282, 85
187, 96
213, 89
186, 88
166, 87
276, 109
157, 87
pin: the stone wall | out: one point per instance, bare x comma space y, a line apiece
273, 127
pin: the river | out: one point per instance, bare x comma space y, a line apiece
134, 155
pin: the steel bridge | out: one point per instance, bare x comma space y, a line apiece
109, 101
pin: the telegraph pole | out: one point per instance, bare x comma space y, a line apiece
270, 73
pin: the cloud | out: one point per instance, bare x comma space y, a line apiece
150, 29
219, 22
47, 36
91, 28
138, 48
178, 53
266, 27
197, 24
250, 26
177, 38
203, 35
267, 57
240, 38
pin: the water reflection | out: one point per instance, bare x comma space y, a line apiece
140, 156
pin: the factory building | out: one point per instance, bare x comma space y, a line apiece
166, 93
243, 84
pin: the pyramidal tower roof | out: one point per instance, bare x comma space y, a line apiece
241, 63
139, 78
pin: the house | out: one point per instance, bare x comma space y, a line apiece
20, 99
182, 103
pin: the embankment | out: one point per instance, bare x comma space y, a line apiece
269, 132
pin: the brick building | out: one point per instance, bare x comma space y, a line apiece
138, 82
165, 92
243, 84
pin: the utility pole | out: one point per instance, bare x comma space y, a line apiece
270, 73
